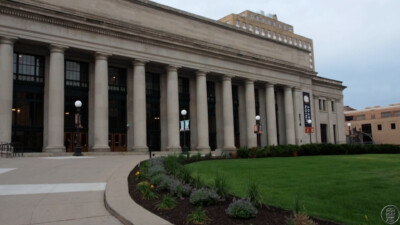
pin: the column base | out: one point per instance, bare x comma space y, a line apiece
174, 149
140, 149
101, 149
54, 149
203, 150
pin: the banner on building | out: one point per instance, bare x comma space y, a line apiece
307, 109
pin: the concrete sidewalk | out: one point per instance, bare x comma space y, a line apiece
65, 190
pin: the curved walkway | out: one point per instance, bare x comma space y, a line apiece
70, 191
120, 204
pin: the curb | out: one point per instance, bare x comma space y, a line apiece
120, 204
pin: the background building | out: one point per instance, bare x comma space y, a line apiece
136, 64
374, 124
268, 26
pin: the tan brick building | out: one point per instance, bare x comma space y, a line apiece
381, 124
268, 26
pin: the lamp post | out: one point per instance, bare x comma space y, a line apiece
258, 131
349, 126
183, 113
78, 105
310, 122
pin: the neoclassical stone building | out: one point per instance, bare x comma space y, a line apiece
135, 64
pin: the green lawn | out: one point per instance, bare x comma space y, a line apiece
346, 189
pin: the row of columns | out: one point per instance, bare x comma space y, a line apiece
56, 105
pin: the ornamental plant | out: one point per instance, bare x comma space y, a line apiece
155, 170
144, 188
167, 202
242, 209
179, 189
157, 179
221, 185
204, 197
253, 192
199, 216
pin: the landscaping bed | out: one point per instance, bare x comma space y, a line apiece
216, 213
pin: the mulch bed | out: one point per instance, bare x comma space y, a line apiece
267, 215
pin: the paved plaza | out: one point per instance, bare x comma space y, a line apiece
58, 190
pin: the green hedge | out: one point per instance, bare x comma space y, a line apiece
315, 149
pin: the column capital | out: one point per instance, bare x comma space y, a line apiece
57, 48
270, 85
139, 62
227, 77
287, 87
297, 89
201, 73
102, 55
172, 68
249, 81
8, 40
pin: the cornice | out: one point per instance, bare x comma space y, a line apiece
321, 81
106, 26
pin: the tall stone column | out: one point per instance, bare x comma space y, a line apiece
271, 116
139, 107
227, 111
202, 112
263, 116
250, 114
341, 134
56, 97
289, 116
173, 109
6, 88
298, 116
101, 103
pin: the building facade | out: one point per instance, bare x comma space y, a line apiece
268, 26
379, 125
136, 64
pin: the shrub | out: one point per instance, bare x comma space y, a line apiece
242, 209
252, 152
300, 219
196, 157
140, 175
157, 179
145, 189
164, 182
155, 170
167, 202
172, 164
184, 174
253, 191
178, 189
199, 216
221, 185
243, 152
204, 197
198, 182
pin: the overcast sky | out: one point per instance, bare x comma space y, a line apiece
355, 41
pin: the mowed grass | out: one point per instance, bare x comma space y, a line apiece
351, 189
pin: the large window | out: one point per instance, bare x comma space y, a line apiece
116, 79
386, 114
27, 109
28, 68
76, 74
153, 111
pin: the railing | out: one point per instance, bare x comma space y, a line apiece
11, 149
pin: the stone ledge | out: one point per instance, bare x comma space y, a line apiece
120, 204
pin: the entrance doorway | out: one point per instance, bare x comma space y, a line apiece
70, 138
117, 142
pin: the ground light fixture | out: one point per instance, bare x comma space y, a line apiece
310, 122
349, 126
183, 113
78, 105
258, 130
